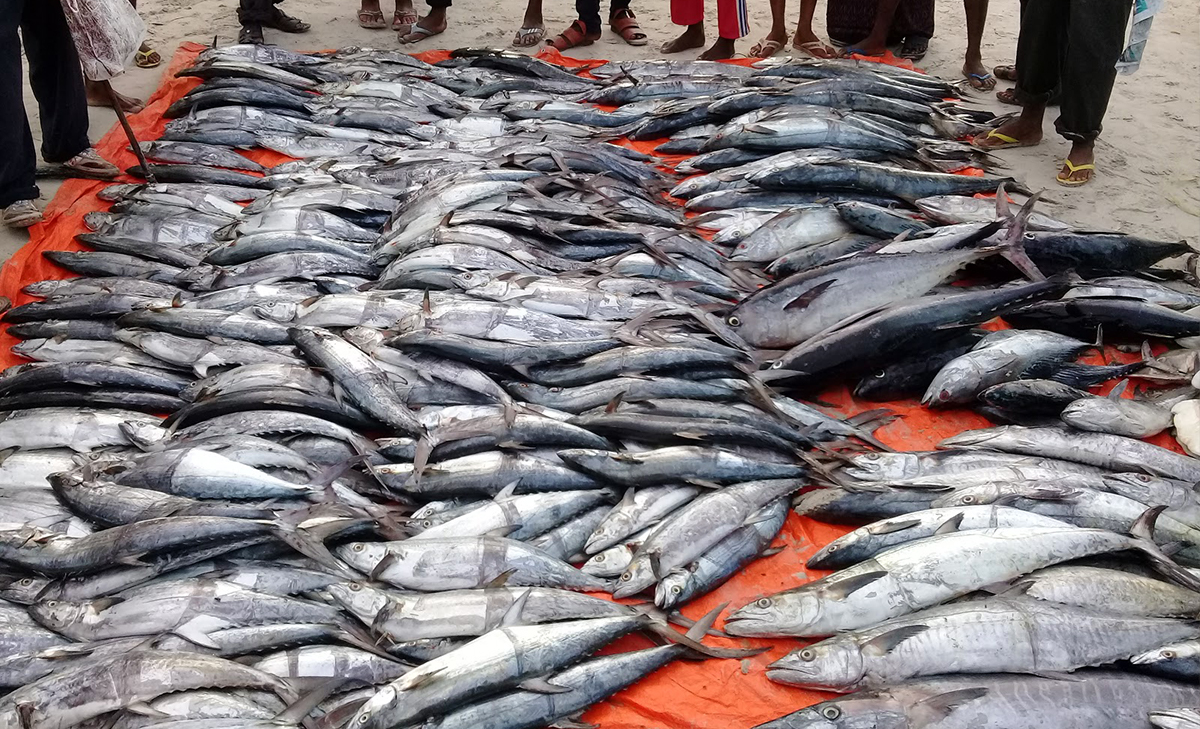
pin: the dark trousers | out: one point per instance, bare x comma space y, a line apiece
57, 83
438, 3
255, 11
589, 12
850, 21
1072, 45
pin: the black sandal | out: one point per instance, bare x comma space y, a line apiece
914, 48
251, 35
282, 21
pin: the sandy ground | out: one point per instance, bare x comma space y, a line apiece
1149, 156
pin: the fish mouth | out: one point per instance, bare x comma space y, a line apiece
796, 677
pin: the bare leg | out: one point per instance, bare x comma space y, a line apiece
875, 44
777, 37
722, 49
973, 68
1082, 154
533, 26
692, 37
805, 37
97, 95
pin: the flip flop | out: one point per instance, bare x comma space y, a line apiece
527, 37
371, 19
1008, 96
280, 20
984, 82
815, 49
148, 58
1006, 73
1006, 142
624, 23
420, 32
403, 22
849, 51
1071, 170
90, 163
766, 48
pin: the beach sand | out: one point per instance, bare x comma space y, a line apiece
1148, 157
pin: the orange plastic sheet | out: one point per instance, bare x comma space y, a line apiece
714, 694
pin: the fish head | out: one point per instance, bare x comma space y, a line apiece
376, 712
841, 553
736, 232
858, 711
146, 436
877, 465
23, 591
466, 280
614, 527
1168, 653
358, 598
976, 495
363, 556
670, 588
58, 615
1094, 413
609, 563
835, 664
783, 614
637, 577
27, 347
365, 338
279, 311
1175, 719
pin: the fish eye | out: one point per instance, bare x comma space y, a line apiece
733, 321
599, 557
968, 499
27, 581
832, 548
1167, 654
626, 577
355, 587
555, 389
1144, 478
363, 719
831, 712
763, 602
676, 589
359, 547
52, 603
777, 364
880, 375
427, 523
807, 654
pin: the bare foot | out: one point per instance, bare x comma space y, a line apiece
531, 32
1080, 165
97, 95
978, 75
867, 47
430, 25
1021, 130
720, 50
692, 37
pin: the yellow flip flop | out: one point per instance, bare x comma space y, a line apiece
1071, 170
1006, 142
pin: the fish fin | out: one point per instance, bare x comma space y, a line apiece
310, 546
503, 531
844, 588
303, 706
689, 435
1118, 390
627, 499
512, 616
388, 560
951, 525
655, 559
771, 552
893, 526
615, 403
1013, 246
573, 722
700, 627
1143, 537
883, 416
702, 483
759, 129
936, 708
501, 579
192, 635
542, 686
104, 603
420, 680
25, 711
803, 300
141, 708
1003, 210
507, 492
883, 644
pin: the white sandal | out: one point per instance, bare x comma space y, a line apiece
90, 163
21, 214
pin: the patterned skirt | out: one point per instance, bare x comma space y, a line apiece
850, 21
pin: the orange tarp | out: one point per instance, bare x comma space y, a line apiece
715, 694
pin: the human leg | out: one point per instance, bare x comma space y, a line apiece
432, 24
689, 13
56, 80
533, 26
19, 162
973, 68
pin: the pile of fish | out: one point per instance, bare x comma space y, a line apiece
463, 359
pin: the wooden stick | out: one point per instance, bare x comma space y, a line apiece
133, 141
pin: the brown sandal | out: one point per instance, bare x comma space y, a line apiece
371, 19
574, 36
624, 23
403, 22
